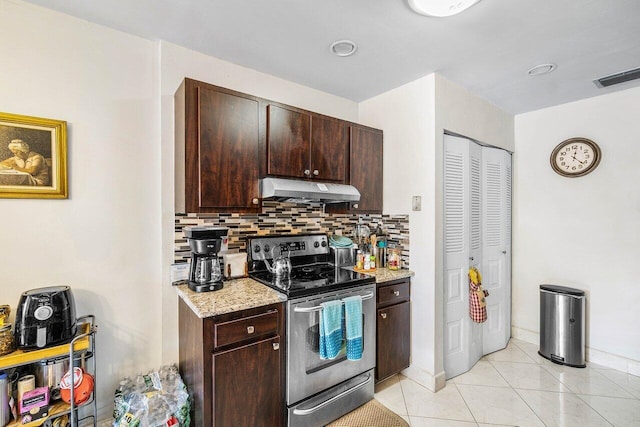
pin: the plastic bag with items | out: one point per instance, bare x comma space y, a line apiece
156, 399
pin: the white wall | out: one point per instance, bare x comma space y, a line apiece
405, 115
414, 118
581, 232
104, 240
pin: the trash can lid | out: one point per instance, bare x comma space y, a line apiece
562, 290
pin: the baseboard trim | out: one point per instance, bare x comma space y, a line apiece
608, 360
425, 378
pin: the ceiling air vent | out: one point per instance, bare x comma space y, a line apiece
617, 78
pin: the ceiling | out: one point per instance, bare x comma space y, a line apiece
486, 49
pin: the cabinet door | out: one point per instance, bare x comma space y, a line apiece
247, 386
222, 158
393, 340
328, 149
365, 168
288, 142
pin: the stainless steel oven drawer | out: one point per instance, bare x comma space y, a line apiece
333, 403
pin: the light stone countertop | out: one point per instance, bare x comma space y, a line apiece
385, 275
236, 295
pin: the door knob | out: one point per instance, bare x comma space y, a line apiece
504, 252
250, 329
396, 293
276, 346
315, 172
254, 200
383, 315
307, 172
470, 258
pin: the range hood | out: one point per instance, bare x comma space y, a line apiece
296, 191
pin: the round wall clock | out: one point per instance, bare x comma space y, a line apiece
575, 157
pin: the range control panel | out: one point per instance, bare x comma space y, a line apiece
269, 247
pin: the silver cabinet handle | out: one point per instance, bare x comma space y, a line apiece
355, 206
307, 172
255, 200
504, 252
470, 258
276, 346
396, 293
315, 172
250, 329
383, 315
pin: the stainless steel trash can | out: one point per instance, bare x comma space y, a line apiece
562, 325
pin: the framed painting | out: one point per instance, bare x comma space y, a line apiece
33, 157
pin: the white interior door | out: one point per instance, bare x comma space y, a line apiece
463, 236
457, 337
496, 248
477, 232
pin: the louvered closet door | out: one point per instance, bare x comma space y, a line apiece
477, 233
496, 247
462, 339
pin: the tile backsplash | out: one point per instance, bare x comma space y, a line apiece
282, 218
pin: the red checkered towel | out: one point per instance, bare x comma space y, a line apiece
477, 303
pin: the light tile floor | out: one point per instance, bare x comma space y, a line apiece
517, 387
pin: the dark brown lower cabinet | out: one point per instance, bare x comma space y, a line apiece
233, 366
246, 383
393, 342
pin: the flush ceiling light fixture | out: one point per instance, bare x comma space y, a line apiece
343, 48
541, 69
440, 8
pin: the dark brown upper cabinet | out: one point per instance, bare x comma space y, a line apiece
365, 170
217, 149
304, 145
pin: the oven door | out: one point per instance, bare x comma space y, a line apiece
307, 374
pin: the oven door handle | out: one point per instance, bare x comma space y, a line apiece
319, 307
333, 399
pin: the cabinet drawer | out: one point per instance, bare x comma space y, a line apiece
247, 328
393, 294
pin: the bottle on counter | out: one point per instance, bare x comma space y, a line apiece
359, 260
393, 259
367, 261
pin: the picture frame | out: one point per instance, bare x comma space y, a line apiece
33, 157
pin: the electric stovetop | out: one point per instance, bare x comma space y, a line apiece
311, 271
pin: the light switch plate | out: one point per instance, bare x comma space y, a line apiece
416, 203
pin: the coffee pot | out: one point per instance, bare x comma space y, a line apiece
205, 273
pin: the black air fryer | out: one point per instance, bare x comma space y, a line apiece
45, 317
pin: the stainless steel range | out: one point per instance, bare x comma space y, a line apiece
318, 391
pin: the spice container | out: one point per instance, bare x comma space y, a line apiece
394, 261
7, 344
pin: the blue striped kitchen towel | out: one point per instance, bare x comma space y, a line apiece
353, 326
330, 329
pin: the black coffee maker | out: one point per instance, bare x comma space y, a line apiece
205, 273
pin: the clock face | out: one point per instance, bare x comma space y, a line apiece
575, 157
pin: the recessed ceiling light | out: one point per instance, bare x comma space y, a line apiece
440, 8
344, 47
541, 69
